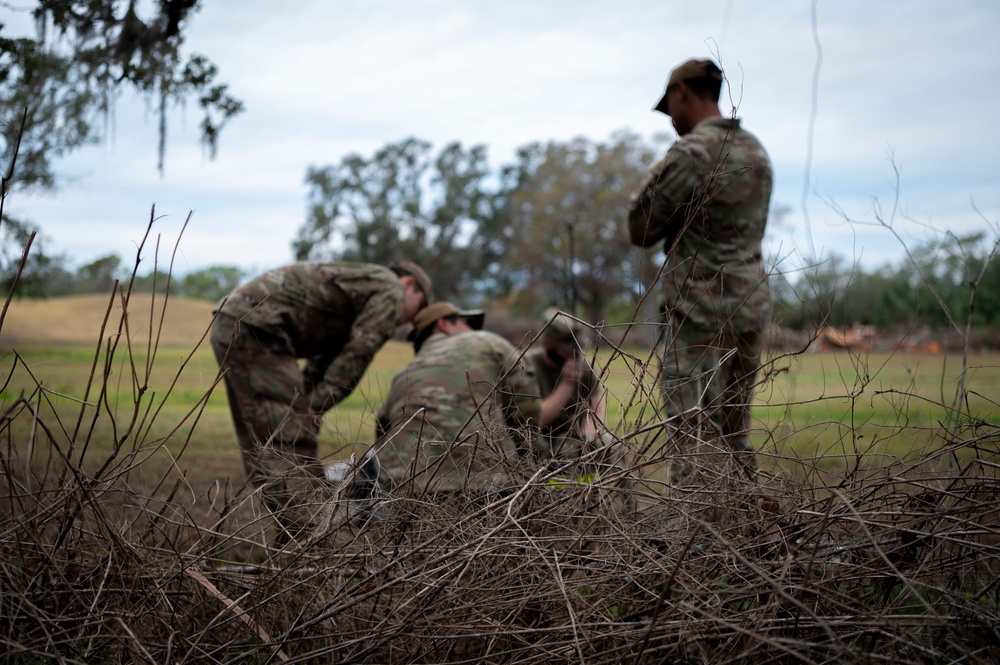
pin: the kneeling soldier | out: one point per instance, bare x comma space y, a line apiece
461, 414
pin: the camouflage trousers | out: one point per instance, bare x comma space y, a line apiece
706, 380
275, 428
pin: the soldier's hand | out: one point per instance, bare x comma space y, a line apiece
570, 371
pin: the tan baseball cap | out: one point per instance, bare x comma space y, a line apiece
419, 274
689, 69
425, 319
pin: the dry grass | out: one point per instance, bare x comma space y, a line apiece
108, 553
78, 319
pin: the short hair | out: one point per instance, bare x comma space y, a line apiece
705, 87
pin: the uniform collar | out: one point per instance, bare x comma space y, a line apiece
720, 122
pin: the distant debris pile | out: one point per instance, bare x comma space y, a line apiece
858, 337
868, 338
864, 338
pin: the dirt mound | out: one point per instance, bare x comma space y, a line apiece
78, 319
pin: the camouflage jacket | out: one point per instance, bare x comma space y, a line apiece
708, 199
587, 386
338, 315
460, 413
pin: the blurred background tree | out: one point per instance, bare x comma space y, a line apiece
84, 53
211, 283
64, 80
548, 229
402, 202
940, 284
564, 237
486, 234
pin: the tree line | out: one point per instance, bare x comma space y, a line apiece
548, 229
47, 276
942, 283
545, 229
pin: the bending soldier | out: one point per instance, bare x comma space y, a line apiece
335, 315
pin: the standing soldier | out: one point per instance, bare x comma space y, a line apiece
335, 315
707, 200
461, 414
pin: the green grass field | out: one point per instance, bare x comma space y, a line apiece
834, 411
883, 407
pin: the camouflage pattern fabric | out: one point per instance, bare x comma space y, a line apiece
459, 417
563, 439
275, 428
714, 370
567, 424
338, 315
708, 200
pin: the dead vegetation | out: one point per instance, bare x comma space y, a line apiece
896, 564
901, 568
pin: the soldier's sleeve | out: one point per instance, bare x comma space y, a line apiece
520, 401
374, 324
656, 209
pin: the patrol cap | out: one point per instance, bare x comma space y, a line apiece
423, 322
417, 273
562, 330
687, 70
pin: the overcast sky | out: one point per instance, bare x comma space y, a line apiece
918, 81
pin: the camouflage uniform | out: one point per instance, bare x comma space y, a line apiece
708, 201
566, 426
458, 417
337, 315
